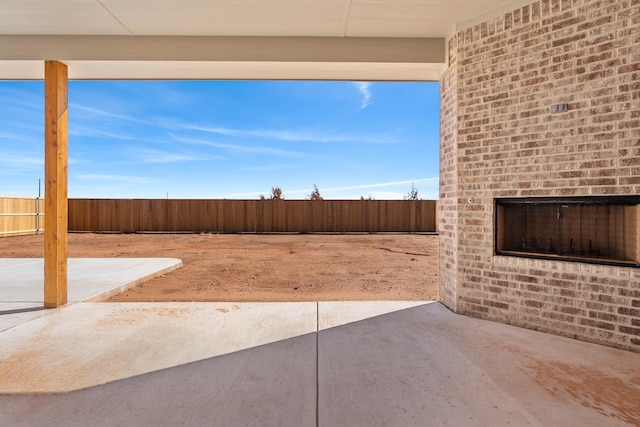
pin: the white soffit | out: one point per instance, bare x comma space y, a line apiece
415, 18
303, 18
324, 18
80, 17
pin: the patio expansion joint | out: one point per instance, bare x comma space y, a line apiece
317, 364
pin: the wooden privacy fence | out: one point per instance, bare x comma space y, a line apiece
21, 215
251, 216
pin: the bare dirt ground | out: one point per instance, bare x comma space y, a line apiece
249, 267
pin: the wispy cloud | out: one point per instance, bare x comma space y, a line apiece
92, 132
242, 148
157, 156
22, 99
385, 195
76, 161
267, 167
103, 113
250, 195
18, 160
365, 91
118, 178
368, 186
343, 192
292, 135
22, 137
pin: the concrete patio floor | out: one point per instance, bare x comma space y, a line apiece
89, 279
303, 364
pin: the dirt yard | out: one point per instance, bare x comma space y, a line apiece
248, 267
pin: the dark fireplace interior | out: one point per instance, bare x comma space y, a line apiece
603, 230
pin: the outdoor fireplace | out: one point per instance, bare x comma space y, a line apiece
603, 230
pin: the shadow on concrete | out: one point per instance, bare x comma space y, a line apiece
426, 366
21, 310
271, 385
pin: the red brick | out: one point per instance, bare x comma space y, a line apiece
629, 311
630, 331
597, 324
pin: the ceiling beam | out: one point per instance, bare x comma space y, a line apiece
228, 70
225, 58
205, 48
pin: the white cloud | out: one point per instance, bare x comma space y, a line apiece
365, 91
288, 135
118, 178
157, 156
386, 195
21, 137
367, 186
27, 100
428, 191
104, 113
250, 195
20, 161
267, 167
243, 148
86, 131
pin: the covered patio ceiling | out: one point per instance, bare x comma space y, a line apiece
236, 39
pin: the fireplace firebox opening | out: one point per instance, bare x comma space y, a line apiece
601, 230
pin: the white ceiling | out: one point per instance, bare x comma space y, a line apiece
323, 18
255, 18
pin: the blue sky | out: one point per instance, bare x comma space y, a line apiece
228, 139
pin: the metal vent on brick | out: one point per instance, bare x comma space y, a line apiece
603, 230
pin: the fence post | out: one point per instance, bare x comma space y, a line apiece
38, 215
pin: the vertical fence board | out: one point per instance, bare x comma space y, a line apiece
205, 218
74, 211
342, 216
316, 216
94, 216
143, 212
359, 216
265, 214
296, 215
279, 216
305, 217
180, 215
177, 214
233, 214
108, 216
327, 215
251, 216
219, 214
203, 212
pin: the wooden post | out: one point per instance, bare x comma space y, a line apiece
55, 172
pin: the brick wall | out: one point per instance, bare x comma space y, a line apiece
448, 205
500, 140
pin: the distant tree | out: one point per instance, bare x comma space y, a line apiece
262, 197
367, 198
276, 193
315, 194
412, 194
